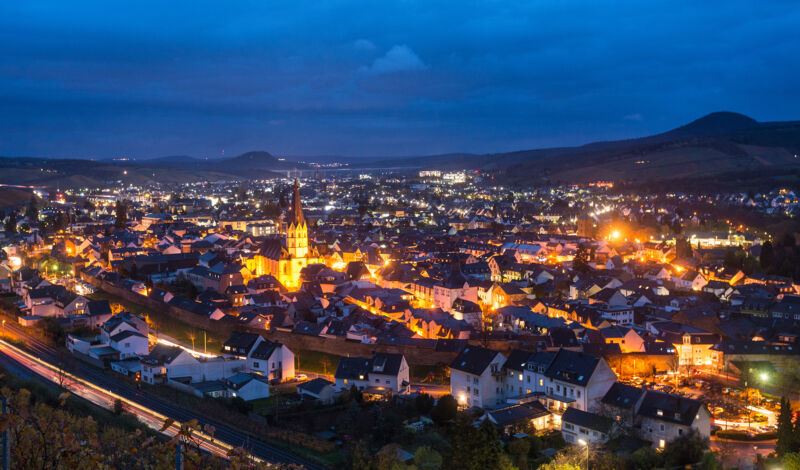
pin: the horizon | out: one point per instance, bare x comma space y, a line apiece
345, 158
393, 80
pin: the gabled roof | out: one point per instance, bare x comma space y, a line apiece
668, 407
354, 368
572, 366
474, 360
241, 341
587, 420
622, 396
518, 413
264, 350
314, 386
517, 360
386, 363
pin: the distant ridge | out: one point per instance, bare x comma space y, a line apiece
718, 143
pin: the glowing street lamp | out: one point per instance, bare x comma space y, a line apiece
585, 444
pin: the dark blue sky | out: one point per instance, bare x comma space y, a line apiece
381, 78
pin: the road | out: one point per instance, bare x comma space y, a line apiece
148, 404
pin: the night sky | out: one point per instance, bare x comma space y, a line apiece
373, 78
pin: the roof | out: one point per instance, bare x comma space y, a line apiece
517, 413
241, 341
517, 360
314, 386
264, 350
352, 368
668, 407
386, 363
572, 366
296, 217
474, 360
622, 396
587, 420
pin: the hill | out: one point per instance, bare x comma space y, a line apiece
77, 173
719, 143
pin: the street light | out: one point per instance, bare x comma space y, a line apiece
585, 444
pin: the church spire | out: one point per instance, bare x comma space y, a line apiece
297, 208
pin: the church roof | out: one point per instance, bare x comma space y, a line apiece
296, 215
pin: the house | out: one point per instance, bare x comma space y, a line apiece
574, 379
389, 371
476, 377
166, 364
352, 372
271, 359
627, 338
509, 419
240, 343
247, 386
381, 375
578, 425
318, 389
664, 417
656, 416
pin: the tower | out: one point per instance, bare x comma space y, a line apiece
297, 230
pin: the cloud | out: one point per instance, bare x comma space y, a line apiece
364, 45
634, 117
397, 59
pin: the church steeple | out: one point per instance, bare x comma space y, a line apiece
296, 216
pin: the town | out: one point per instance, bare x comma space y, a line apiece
392, 318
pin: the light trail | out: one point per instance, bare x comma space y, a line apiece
106, 398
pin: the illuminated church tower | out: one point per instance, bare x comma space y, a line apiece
297, 231
285, 257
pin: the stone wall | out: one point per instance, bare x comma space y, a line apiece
415, 355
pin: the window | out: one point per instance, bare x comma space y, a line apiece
661, 427
387, 381
569, 426
661, 443
579, 393
256, 366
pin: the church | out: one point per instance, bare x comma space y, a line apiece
286, 256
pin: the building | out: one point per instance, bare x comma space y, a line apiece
285, 257
476, 377
383, 374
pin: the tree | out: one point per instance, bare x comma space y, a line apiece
424, 403
791, 461
445, 410
767, 257
572, 458
121, 213
645, 459
683, 249
10, 225
580, 262
475, 449
786, 435
427, 459
685, 450
33, 210
519, 449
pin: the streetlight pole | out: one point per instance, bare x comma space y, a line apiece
585, 444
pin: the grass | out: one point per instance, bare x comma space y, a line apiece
168, 325
315, 361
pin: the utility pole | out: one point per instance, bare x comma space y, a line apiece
205, 343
